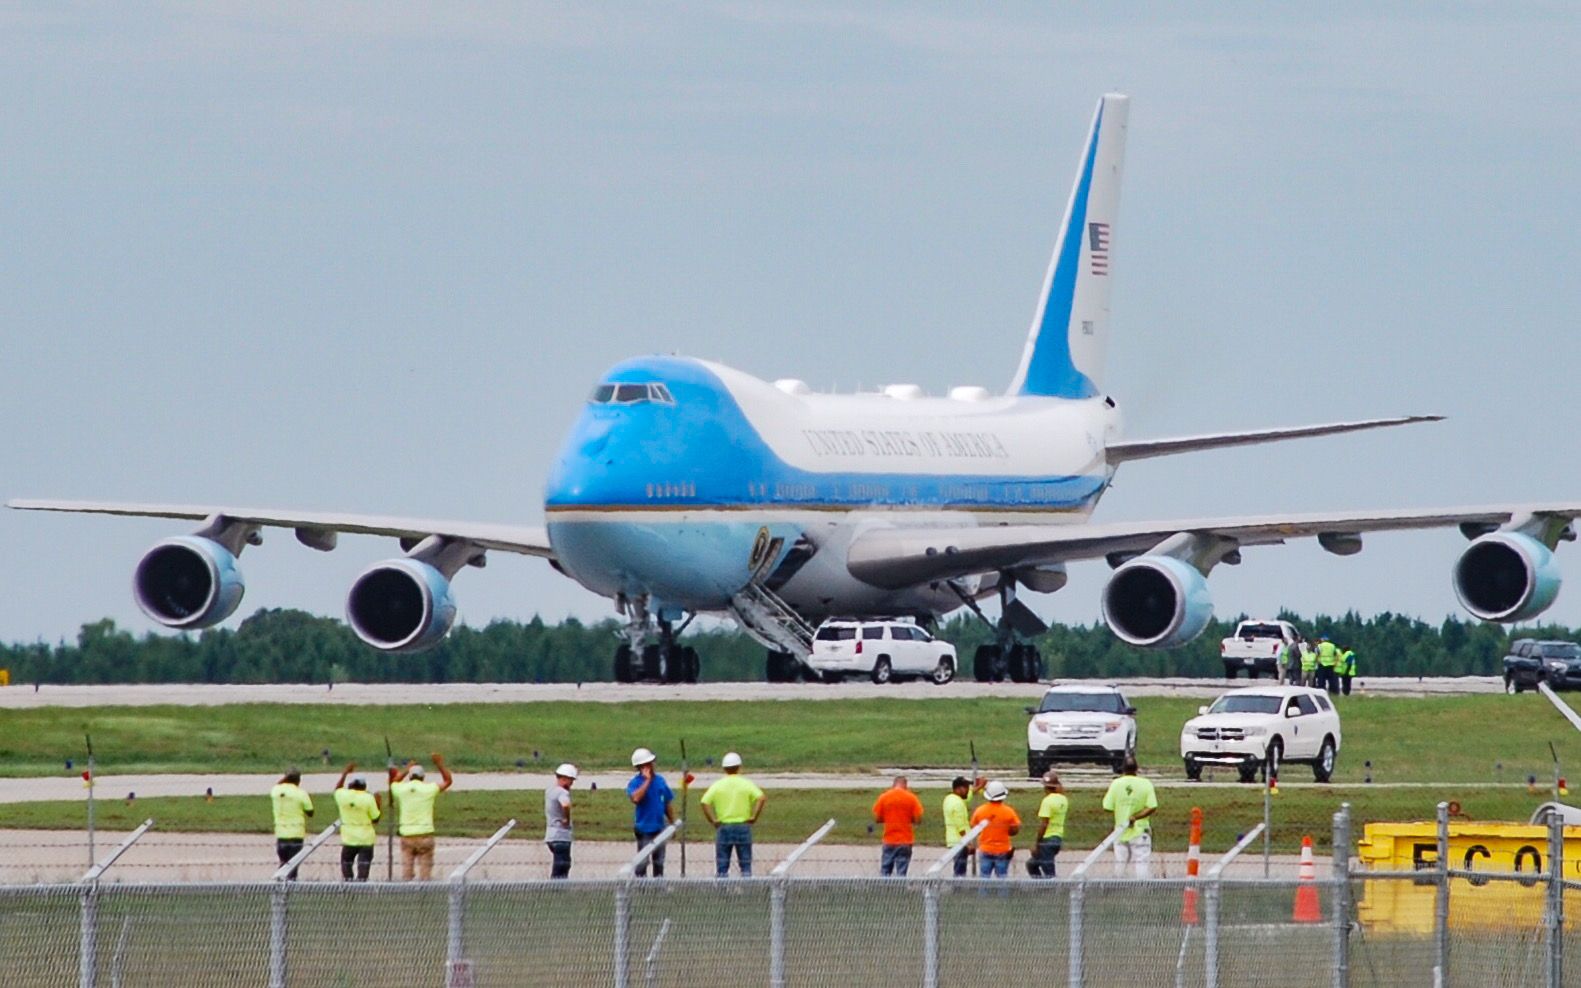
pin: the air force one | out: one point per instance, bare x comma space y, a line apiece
687, 488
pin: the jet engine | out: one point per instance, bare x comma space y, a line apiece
1506, 576
188, 582
402, 605
1156, 602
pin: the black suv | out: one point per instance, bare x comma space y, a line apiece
1531, 662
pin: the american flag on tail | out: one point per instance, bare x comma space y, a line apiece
1098, 247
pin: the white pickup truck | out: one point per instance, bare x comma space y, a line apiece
1255, 647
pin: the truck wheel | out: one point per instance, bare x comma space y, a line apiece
1229, 671
1511, 686
1323, 768
1193, 770
943, 672
882, 671
1248, 771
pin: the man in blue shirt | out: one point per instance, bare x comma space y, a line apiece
650, 797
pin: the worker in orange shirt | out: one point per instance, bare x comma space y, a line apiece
899, 810
993, 844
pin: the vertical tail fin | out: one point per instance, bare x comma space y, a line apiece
1065, 347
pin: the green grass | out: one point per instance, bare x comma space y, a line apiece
1448, 739
791, 814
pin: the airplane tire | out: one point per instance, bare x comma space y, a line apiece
1023, 664
693, 665
623, 673
780, 668
674, 661
653, 663
983, 663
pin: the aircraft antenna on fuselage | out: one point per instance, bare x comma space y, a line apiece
1065, 347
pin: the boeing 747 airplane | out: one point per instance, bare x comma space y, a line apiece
689, 488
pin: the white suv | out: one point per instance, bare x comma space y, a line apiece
880, 650
1246, 728
1083, 723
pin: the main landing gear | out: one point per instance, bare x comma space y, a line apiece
640, 660
1008, 657
1018, 661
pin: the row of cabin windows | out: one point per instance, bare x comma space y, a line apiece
631, 394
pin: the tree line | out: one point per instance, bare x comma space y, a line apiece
290, 646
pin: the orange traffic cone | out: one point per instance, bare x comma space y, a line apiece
1308, 907
1188, 907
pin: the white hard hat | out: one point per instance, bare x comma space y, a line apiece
731, 760
415, 772
642, 756
996, 792
566, 769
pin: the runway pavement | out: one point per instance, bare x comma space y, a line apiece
25, 696
30, 856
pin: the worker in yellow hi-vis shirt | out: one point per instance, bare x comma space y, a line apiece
291, 807
1051, 827
958, 816
414, 798
358, 810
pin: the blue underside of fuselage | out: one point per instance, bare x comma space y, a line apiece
651, 467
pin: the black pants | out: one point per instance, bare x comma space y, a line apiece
643, 840
363, 856
1345, 684
285, 850
1041, 864
560, 858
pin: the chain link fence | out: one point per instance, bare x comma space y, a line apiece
790, 931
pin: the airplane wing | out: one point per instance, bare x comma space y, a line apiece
903, 557
312, 526
1141, 449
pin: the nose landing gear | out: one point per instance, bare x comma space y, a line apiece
639, 659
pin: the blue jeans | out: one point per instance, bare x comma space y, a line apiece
643, 840
733, 835
896, 860
559, 858
993, 865
1042, 862
961, 860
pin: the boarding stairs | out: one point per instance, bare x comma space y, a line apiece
771, 621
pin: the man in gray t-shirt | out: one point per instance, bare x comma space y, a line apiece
557, 820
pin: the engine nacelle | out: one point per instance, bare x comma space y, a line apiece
403, 605
188, 582
1506, 576
1157, 602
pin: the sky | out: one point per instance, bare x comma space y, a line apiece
372, 257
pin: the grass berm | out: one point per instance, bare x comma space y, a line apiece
1460, 739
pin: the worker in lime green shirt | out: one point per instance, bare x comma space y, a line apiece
958, 817
359, 809
414, 798
1051, 827
1327, 659
291, 807
1347, 670
1132, 800
732, 805
1308, 665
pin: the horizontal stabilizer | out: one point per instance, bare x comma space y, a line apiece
1142, 449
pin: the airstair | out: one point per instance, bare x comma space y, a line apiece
771, 621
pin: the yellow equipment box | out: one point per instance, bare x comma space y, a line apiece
1400, 906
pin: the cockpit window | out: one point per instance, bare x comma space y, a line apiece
631, 394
